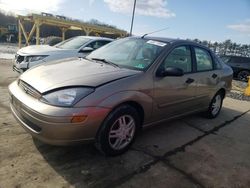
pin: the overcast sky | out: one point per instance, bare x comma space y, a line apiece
212, 20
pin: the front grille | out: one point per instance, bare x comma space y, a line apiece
17, 106
19, 58
32, 125
29, 89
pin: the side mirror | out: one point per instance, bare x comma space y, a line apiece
169, 71
86, 50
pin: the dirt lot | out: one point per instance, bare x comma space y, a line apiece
191, 152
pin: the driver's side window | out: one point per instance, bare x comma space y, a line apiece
180, 57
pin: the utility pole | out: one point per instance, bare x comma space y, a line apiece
132, 21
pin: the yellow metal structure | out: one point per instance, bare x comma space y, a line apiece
247, 90
64, 24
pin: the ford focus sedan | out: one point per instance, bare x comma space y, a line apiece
109, 95
79, 46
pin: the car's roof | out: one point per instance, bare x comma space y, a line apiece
96, 38
171, 40
163, 39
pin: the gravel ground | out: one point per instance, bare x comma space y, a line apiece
238, 96
10, 48
237, 91
239, 85
7, 51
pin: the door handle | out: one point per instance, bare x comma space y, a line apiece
214, 75
189, 80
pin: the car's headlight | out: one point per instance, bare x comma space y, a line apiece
66, 97
34, 58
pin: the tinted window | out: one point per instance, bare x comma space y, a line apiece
72, 43
203, 59
97, 44
180, 57
240, 60
236, 60
246, 60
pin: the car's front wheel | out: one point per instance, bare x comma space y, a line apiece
215, 105
243, 75
118, 130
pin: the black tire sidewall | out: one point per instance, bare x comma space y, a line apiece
239, 73
210, 114
103, 134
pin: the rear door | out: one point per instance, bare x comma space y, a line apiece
208, 75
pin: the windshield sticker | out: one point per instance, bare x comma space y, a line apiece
157, 43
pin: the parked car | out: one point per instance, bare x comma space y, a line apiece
78, 46
240, 66
52, 40
112, 93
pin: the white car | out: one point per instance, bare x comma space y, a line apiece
79, 46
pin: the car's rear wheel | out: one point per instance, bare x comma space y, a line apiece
243, 75
118, 130
215, 105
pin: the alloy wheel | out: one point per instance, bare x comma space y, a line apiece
216, 105
122, 132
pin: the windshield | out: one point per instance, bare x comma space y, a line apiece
132, 53
73, 43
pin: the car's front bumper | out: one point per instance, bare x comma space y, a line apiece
19, 67
52, 124
19, 70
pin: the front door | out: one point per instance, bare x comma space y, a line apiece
175, 95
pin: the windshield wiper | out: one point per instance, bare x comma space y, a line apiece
105, 61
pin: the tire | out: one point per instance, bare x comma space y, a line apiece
242, 75
114, 138
215, 105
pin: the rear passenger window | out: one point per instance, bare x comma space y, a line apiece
203, 59
217, 62
180, 57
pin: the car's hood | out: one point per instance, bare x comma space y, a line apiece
73, 72
42, 50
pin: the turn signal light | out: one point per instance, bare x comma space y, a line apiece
78, 119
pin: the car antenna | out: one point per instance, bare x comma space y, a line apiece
154, 32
